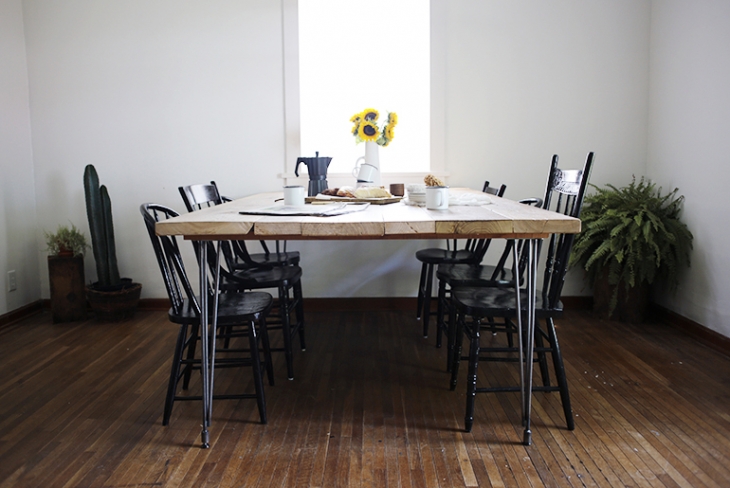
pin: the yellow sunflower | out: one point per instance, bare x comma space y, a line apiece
388, 132
368, 131
392, 119
355, 119
370, 114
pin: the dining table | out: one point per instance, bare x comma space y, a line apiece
263, 216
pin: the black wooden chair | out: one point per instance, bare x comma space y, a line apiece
200, 196
472, 305
473, 274
238, 314
279, 275
472, 253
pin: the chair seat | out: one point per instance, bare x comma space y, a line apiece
436, 255
499, 302
282, 258
461, 275
272, 259
257, 278
232, 308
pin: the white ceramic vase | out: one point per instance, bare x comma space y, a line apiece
372, 158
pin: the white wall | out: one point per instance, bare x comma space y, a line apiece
689, 144
155, 95
528, 79
18, 226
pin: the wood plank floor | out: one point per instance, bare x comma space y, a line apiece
81, 406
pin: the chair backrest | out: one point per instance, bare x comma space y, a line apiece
480, 246
492, 190
499, 273
565, 193
169, 258
200, 196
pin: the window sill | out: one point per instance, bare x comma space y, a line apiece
339, 179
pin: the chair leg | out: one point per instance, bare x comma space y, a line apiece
456, 356
174, 373
264, 335
560, 374
541, 356
440, 325
421, 289
286, 330
427, 300
192, 341
256, 366
471, 383
299, 312
451, 335
509, 326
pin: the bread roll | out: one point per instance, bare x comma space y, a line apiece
372, 192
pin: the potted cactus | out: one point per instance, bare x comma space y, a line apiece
111, 297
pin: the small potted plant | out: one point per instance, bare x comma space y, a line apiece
66, 249
66, 241
631, 237
112, 298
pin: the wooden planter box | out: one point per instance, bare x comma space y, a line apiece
68, 293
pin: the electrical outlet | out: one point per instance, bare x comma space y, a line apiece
12, 284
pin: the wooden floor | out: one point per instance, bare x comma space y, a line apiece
81, 406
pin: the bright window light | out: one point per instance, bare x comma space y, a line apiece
353, 56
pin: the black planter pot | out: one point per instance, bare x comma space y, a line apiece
114, 304
632, 305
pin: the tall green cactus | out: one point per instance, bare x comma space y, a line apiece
101, 226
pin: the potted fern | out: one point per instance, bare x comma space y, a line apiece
631, 237
111, 297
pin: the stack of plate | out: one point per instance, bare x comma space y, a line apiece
416, 194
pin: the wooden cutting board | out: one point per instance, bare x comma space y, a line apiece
371, 201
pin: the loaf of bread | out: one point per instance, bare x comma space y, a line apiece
330, 191
346, 191
372, 192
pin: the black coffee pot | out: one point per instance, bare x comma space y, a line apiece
317, 168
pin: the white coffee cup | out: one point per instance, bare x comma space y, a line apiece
294, 196
437, 197
364, 172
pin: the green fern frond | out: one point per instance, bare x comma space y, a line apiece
636, 232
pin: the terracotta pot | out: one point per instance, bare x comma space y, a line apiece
114, 305
65, 252
632, 304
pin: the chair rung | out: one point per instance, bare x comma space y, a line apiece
216, 397
499, 359
506, 389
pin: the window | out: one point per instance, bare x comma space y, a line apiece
354, 56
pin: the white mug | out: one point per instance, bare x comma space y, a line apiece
294, 196
437, 197
364, 171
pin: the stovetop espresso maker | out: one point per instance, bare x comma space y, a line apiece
317, 168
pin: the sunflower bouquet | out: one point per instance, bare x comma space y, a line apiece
366, 127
